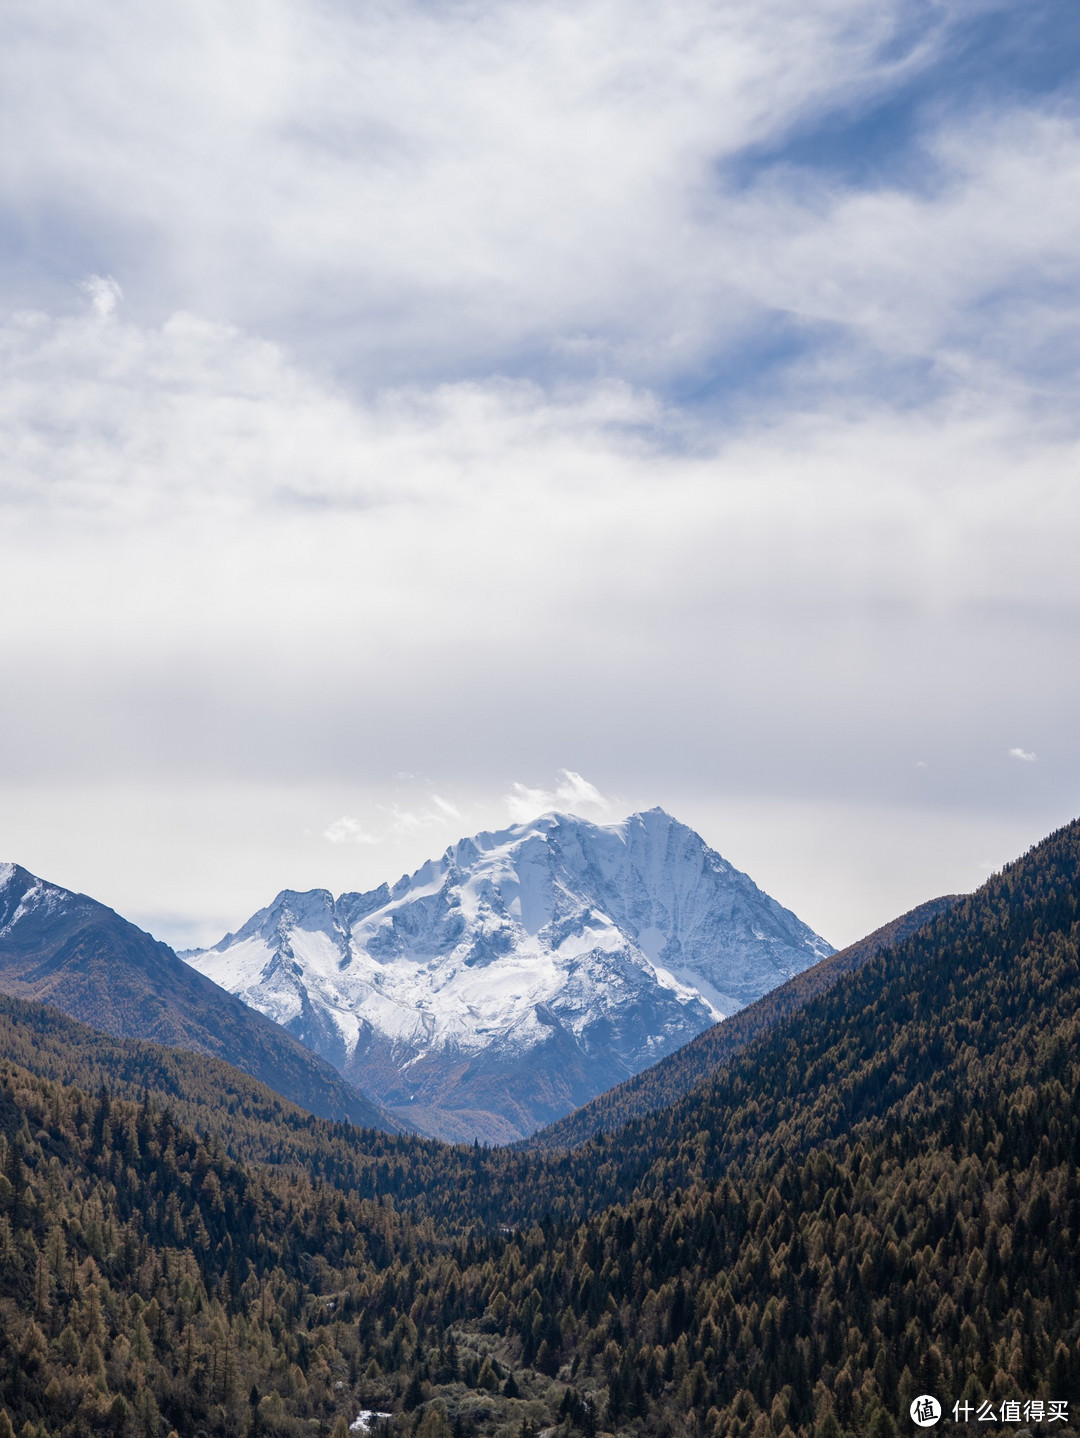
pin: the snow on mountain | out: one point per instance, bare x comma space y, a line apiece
520, 974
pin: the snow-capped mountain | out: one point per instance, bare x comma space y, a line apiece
520, 974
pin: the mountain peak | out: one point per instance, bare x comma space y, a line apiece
522, 971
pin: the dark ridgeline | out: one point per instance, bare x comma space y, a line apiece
876, 1197
69, 951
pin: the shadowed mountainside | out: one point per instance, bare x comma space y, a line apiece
69, 951
683, 1070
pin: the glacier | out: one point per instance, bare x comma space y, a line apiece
520, 974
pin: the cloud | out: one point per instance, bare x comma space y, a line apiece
532, 381
654, 219
389, 131
444, 806
571, 792
402, 821
104, 294
406, 820
1024, 755
236, 567
347, 830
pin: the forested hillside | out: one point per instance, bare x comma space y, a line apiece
249, 1120
878, 1197
252, 1123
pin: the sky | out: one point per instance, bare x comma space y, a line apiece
416, 416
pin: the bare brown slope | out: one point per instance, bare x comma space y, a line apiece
68, 950
674, 1076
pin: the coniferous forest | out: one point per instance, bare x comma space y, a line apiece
875, 1198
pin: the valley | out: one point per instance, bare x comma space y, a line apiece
869, 1192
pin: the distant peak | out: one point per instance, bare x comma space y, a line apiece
303, 899
304, 903
547, 820
553, 819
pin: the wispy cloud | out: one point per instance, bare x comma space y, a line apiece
103, 292
348, 830
1024, 755
445, 807
405, 820
572, 791
399, 821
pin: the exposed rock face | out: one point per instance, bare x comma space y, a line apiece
521, 973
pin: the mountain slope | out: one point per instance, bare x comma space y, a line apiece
207, 1095
877, 1197
74, 953
683, 1070
973, 1003
520, 974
